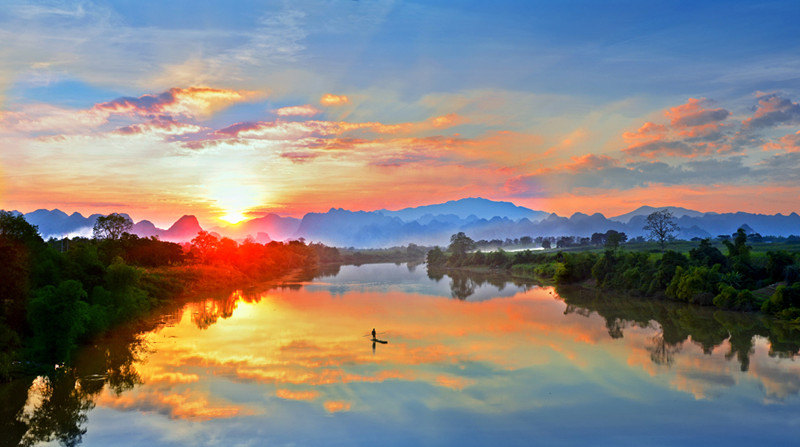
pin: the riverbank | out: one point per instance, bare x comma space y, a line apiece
739, 280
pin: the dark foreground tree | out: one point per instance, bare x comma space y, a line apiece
661, 226
112, 226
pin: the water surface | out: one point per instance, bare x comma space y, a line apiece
469, 361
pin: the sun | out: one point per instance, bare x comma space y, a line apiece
233, 217
234, 200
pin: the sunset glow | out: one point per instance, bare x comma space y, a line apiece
316, 106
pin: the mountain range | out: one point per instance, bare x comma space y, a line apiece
431, 224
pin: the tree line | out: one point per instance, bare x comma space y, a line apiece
734, 280
57, 294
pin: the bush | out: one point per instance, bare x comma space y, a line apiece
730, 298
694, 284
784, 298
436, 257
575, 267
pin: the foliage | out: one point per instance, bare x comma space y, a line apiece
112, 226
730, 298
574, 267
706, 254
786, 300
58, 316
705, 277
56, 295
694, 284
460, 244
778, 264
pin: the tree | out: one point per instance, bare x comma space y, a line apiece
436, 257
598, 238
661, 226
546, 244
17, 228
460, 244
613, 239
205, 245
112, 226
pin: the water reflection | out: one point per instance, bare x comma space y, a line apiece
503, 362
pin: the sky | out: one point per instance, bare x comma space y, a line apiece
229, 110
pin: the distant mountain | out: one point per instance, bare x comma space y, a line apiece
56, 223
277, 227
145, 228
184, 229
432, 224
647, 210
474, 206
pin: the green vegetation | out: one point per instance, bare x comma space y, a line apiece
58, 294
353, 256
740, 279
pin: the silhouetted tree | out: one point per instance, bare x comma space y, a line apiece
111, 226
661, 226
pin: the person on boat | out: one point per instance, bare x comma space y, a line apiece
373, 332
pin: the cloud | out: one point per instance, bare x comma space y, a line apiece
603, 172
45, 118
296, 395
329, 99
773, 110
191, 102
693, 130
335, 406
788, 143
693, 114
300, 156
188, 405
306, 110
589, 162
160, 126
648, 131
652, 149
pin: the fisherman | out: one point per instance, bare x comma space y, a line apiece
373, 333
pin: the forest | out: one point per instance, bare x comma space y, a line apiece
59, 294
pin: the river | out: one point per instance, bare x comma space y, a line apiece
468, 361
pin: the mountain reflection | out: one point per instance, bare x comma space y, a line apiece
305, 352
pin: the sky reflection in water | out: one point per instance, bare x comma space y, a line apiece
295, 366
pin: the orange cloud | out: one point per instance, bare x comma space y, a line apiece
176, 405
335, 406
296, 395
329, 99
693, 130
773, 110
788, 143
648, 131
694, 114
